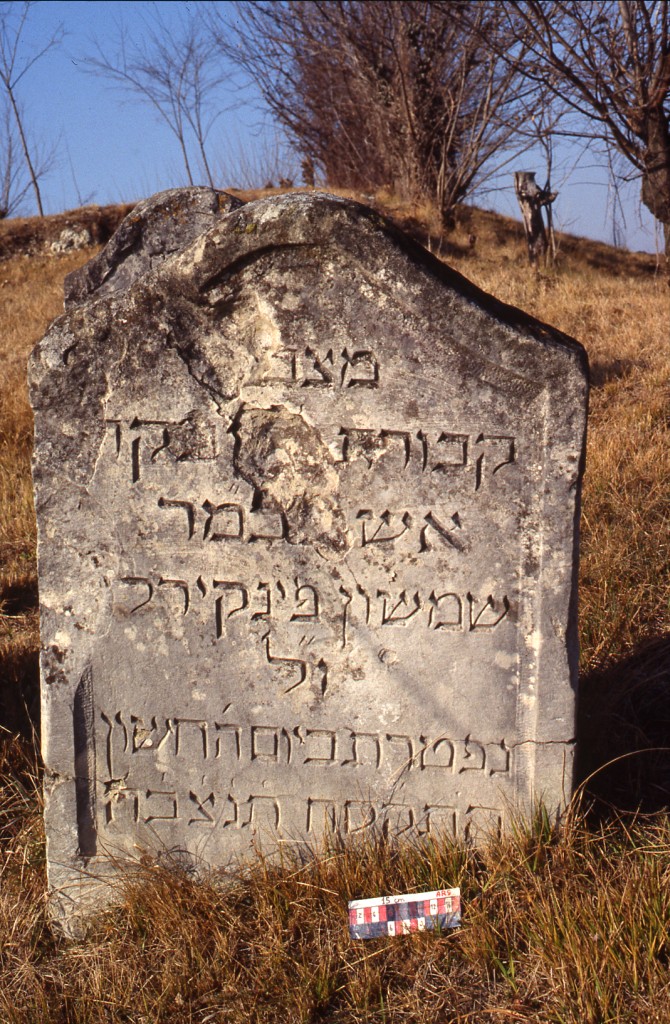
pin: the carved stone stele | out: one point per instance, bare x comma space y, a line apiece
308, 520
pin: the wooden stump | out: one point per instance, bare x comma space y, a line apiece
532, 199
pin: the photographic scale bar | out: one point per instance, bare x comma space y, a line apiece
403, 915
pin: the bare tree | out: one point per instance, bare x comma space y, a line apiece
14, 182
609, 62
387, 93
13, 68
178, 73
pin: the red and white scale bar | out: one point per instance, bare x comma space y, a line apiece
402, 915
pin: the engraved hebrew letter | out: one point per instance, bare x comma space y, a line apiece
324, 742
287, 370
437, 753
115, 738
323, 669
382, 535
115, 425
325, 376
359, 740
139, 581
394, 616
164, 444
264, 810
482, 821
398, 818
233, 822
267, 606
265, 743
321, 814
296, 664
146, 737
235, 732
440, 819
366, 597
360, 369
358, 815
122, 802
423, 438
274, 525
204, 815
348, 598
192, 439
148, 432
365, 439
453, 618
405, 439
135, 458
160, 428
181, 585
448, 536
456, 449
503, 450
498, 758
233, 521
117, 745
161, 804
188, 508
307, 603
474, 756
404, 751
485, 619
220, 610
286, 735
184, 732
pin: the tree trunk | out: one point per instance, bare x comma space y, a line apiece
26, 152
531, 200
656, 179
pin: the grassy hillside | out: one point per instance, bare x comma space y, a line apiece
563, 927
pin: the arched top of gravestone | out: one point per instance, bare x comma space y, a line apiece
319, 235
155, 229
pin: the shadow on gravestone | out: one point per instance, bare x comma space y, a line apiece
308, 519
623, 732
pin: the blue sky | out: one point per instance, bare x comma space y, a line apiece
111, 148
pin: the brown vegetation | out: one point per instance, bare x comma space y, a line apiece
29, 236
422, 98
568, 926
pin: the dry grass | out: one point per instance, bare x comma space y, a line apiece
30, 296
569, 927
557, 928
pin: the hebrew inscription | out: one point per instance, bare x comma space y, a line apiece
293, 602
307, 511
310, 367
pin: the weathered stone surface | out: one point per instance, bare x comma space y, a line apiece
308, 509
156, 228
71, 238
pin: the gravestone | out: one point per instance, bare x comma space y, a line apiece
308, 518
